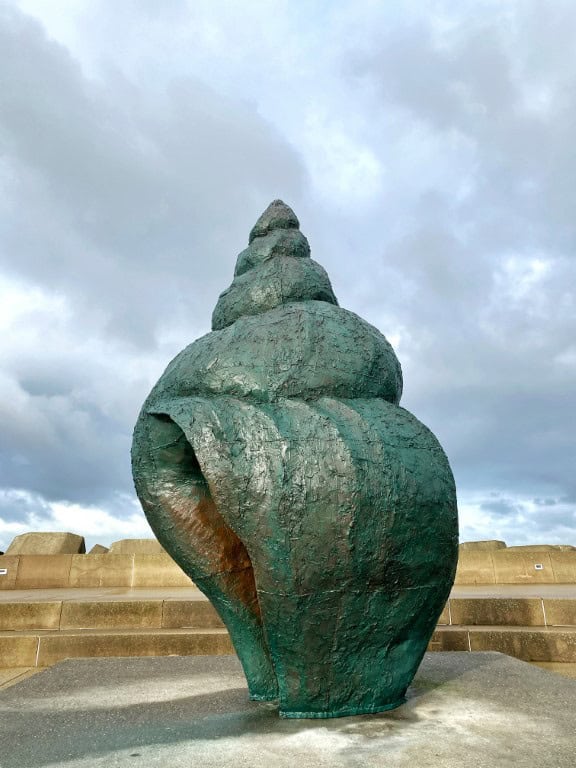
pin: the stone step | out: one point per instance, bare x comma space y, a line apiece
543, 644
194, 611
510, 611
44, 648
108, 614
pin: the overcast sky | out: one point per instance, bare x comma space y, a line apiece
428, 150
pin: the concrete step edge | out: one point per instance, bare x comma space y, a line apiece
512, 628
115, 631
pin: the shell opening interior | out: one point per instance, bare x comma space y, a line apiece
173, 453
192, 528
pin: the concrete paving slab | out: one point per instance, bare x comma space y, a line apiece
464, 710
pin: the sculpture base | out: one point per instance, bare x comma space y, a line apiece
346, 712
464, 710
254, 697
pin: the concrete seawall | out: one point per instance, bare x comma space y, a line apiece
501, 566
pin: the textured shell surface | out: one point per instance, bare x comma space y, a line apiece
275, 464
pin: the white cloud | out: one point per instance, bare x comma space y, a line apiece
96, 524
516, 519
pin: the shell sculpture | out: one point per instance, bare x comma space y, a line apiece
276, 467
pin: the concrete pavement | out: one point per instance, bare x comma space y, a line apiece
464, 710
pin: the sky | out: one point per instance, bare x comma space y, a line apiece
427, 148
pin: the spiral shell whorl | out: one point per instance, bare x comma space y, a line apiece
275, 269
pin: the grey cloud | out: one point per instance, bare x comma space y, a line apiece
480, 82
65, 450
20, 507
504, 440
128, 187
545, 502
551, 518
488, 364
132, 203
500, 507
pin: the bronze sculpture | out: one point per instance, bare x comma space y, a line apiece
275, 465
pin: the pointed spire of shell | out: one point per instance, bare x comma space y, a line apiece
276, 233
275, 269
278, 215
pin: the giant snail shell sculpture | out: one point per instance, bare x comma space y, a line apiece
276, 467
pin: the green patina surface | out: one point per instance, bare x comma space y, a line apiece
274, 463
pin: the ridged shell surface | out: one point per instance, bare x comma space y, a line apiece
275, 464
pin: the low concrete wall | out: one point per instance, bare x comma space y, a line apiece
518, 566
136, 547
64, 571
499, 566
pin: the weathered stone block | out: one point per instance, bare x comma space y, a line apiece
136, 547
449, 639
158, 571
563, 566
560, 612
28, 615
497, 611
521, 567
13, 675
475, 567
487, 545
547, 644
121, 614
542, 548
70, 645
99, 549
445, 615
101, 571
18, 650
43, 571
41, 543
190, 613
9, 564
